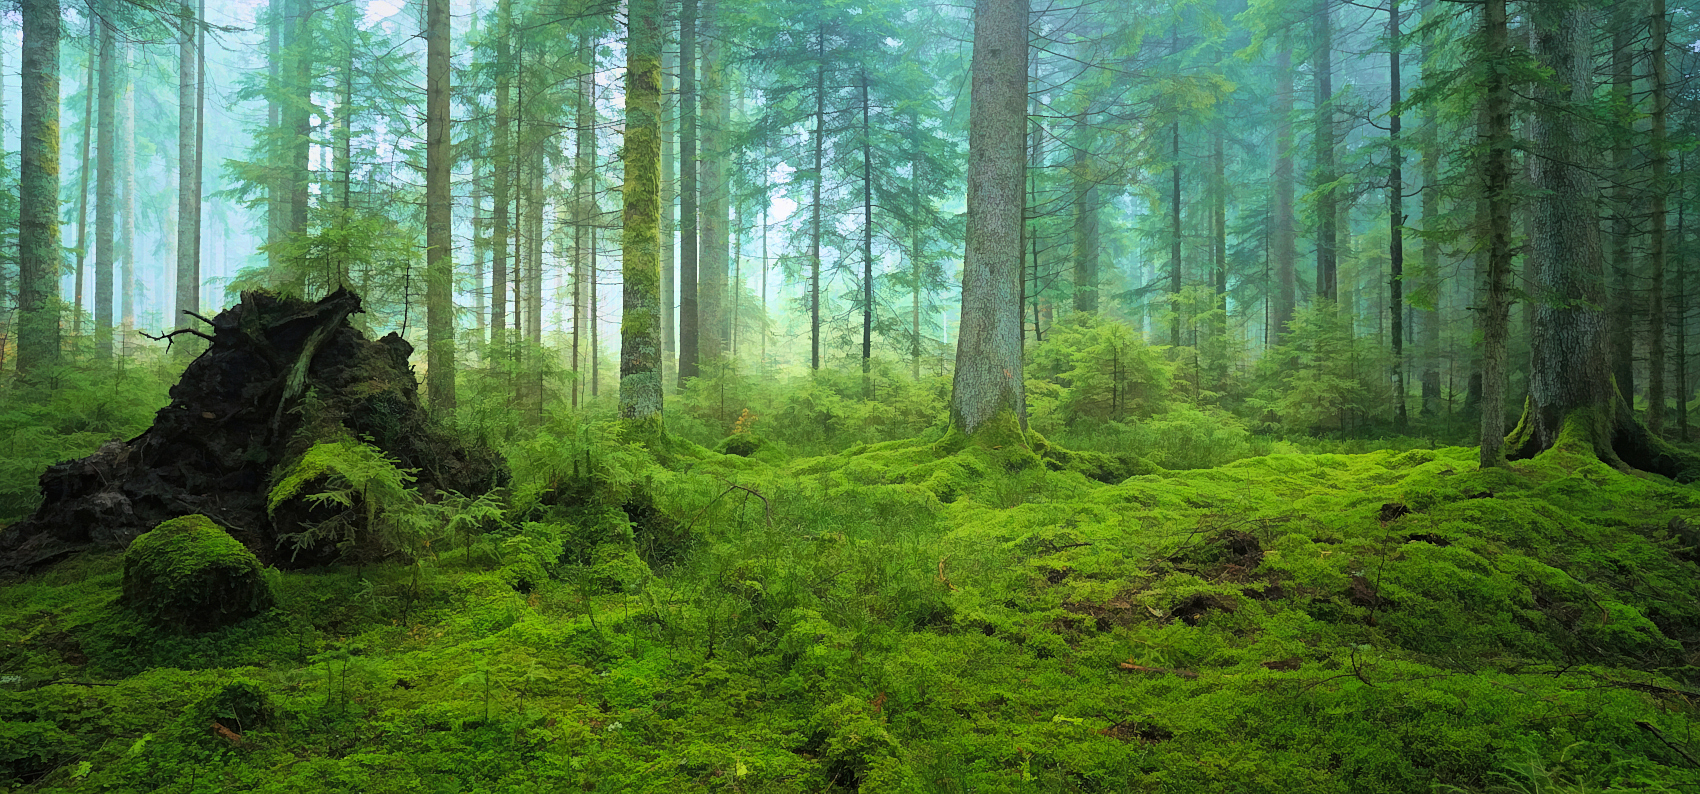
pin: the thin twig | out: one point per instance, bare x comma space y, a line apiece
1661, 737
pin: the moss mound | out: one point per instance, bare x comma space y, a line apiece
189, 573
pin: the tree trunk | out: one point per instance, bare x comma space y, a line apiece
716, 105
501, 162
1284, 246
640, 242
1396, 219
915, 270
38, 191
126, 246
1175, 235
689, 315
987, 402
200, 141
584, 125
815, 207
277, 187
188, 281
1085, 221
1429, 344
344, 156
299, 117
669, 210
1620, 257
83, 174
1327, 204
439, 240
1496, 187
1573, 403
867, 243
1219, 247
1656, 242
106, 187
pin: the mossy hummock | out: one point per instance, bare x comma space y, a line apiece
189, 573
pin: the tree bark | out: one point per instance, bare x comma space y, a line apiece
277, 187
126, 245
38, 191
640, 243
689, 315
1327, 203
1496, 314
83, 174
867, 242
188, 279
501, 162
1284, 253
439, 219
583, 204
987, 401
669, 209
1573, 403
1396, 217
1620, 258
1656, 243
106, 187
1429, 344
716, 111
1085, 221
819, 136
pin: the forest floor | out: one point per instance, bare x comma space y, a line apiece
900, 618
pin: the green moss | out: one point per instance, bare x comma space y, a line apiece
189, 573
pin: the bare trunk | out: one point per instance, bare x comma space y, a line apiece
689, 315
716, 104
1656, 234
501, 233
1619, 257
815, 207
867, 244
439, 241
188, 280
106, 189
986, 400
1085, 222
84, 172
669, 210
127, 207
1429, 344
1396, 219
640, 242
583, 208
1284, 246
1327, 204
1496, 185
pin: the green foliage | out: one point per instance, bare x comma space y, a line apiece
378, 505
1321, 377
1093, 370
189, 573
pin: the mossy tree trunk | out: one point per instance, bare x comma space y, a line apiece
987, 399
1495, 316
1573, 402
716, 112
188, 279
640, 324
38, 190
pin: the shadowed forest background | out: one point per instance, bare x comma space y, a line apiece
1183, 395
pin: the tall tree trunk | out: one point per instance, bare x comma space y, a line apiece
1284, 253
299, 120
867, 243
188, 281
669, 209
689, 316
1682, 249
1085, 220
915, 269
1656, 243
1620, 256
815, 206
84, 172
1496, 314
106, 186
640, 243
38, 191
501, 162
127, 205
439, 240
1327, 203
277, 184
1429, 343
1573, 402
480, 247
1219, 247
200, 140
584, 125
345, 126
716, 110
1175, 235
987, 402
1396, 217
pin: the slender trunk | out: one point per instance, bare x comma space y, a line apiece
439, 240
480, 247
106, 193
595, 342
300, 124
640, 242
1396, 218
127, 207
689, 315
1219, 251
345, 122
200, 142
521, 188
1682, 390
1085, 222
188, 183
987, 401
1656, 234
533, 286
1496, 314
277, 183
867, 243
1285, 254
1327, 203
1429, 344
583, 203
1175, 234
915, 270
83, 180
669, 209
1620, 257
38, 191
501, 234
815, 208
716, 104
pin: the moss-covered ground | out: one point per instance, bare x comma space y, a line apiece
911, 617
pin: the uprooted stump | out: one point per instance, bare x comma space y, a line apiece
190, 574
279, 374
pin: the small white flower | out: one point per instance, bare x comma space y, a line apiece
612, 727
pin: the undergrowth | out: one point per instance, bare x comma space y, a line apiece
1224, 613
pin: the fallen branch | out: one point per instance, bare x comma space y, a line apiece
1661, 737
167, 338
767, 507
